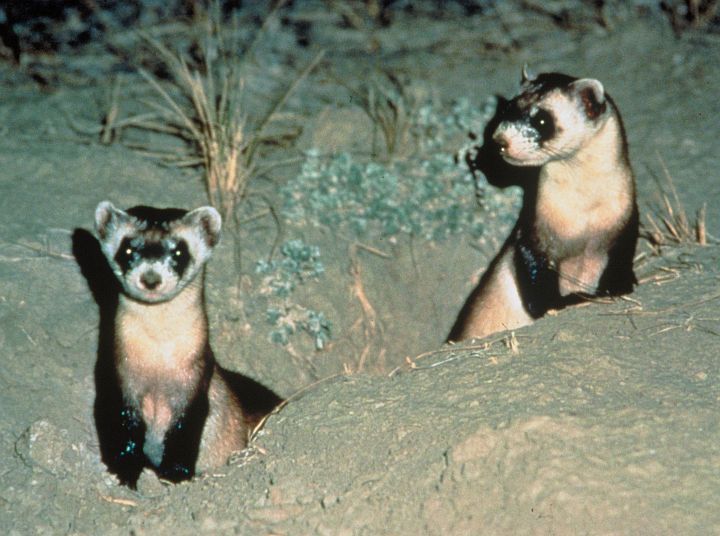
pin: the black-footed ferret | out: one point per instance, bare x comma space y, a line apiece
177, 410
578, 227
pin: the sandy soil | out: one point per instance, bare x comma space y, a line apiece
597, 420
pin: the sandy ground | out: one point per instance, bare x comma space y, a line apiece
597, 420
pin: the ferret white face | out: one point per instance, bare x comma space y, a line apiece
155, 252
551, 119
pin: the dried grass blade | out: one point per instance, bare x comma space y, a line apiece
279, 103
174, 107
700, 230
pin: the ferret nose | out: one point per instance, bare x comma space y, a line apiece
150, 280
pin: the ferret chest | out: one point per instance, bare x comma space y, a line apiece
158, 351
575, 212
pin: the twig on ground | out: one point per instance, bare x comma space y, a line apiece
411, 363
372, 329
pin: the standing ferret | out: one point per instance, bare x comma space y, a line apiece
165, 402
577, 230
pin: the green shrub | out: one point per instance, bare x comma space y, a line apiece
299, 264
431, 196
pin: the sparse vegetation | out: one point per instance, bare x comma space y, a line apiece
392, 104
300, 263
205, 107
668, 223
589, 427
368, 324
429, 200
684, 14
430, 197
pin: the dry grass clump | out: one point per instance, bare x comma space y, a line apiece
392, 105
214, 123
204, 106
669, 224
684, 14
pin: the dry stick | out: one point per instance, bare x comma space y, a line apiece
176, 66
173, 106
361, 245
264, 169
700, 230
276, 219
411, 362
349, 13
117, 124
289, 399
671, 275
672, 308
117, 500
177, 159
109, 126
44, 251
264, 26
370, 321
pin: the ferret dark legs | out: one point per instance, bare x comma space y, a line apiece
537, 282
128, 457
124, 450
619, 278
182, 441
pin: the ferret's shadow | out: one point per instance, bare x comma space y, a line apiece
256, 399
105, 289
487, 159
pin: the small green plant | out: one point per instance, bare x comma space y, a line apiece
433, 129
299, 264
431, 197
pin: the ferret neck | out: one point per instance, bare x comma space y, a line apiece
599, 157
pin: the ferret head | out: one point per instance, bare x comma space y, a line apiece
553, 116
155, 252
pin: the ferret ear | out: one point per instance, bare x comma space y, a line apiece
592, 96
527, 75
208, 220
107, 218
